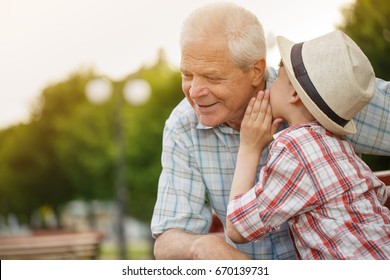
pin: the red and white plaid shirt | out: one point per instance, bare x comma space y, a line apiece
329, 196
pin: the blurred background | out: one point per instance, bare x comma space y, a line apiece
85, 89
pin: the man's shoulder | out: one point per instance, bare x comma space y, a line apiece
272, 74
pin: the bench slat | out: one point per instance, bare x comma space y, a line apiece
51, 246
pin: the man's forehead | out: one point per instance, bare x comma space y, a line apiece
206, 63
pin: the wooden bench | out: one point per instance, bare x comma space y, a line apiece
51, 246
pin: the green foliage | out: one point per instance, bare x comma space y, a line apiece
21, 173
144, 127
367, 22
84, 149
68, 148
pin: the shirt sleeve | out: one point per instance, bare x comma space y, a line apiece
243, 212
283, 191
373, 123
181, 199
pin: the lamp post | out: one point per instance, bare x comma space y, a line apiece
135, 92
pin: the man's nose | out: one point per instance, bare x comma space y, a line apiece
198, 89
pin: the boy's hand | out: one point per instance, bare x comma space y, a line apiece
257, 127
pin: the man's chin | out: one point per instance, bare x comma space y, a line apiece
207, 121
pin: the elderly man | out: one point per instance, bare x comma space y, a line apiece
223, 65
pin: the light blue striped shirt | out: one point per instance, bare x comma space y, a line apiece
199, 162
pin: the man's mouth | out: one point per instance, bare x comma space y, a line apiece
205, 107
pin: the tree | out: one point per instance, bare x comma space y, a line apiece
21, 171
144, 127
367, 22
67, 149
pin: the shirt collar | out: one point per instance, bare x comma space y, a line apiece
222, 127
294, 127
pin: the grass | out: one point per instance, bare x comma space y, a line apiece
137, 251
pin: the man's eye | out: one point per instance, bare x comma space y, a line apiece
186, 76
213, 79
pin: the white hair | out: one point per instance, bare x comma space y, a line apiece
243, 31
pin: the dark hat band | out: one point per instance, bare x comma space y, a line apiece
305, 82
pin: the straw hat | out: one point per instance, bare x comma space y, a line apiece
332, 76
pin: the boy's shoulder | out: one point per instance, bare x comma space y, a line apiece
300, 134
308, 137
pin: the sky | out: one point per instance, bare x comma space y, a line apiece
44, 41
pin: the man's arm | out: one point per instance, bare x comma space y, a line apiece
178, 244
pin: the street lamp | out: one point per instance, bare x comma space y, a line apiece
98, 90
136, 92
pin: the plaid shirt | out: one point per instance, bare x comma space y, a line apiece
198, 166
373, 124
329, 196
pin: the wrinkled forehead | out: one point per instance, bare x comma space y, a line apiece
208, 55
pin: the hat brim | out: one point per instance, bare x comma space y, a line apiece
285, 47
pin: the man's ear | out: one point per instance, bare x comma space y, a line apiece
258, 72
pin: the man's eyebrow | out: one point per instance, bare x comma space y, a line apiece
204, 71
211, 71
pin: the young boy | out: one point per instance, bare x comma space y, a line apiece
313, 179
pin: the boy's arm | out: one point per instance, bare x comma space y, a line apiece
256, 132
243, 181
